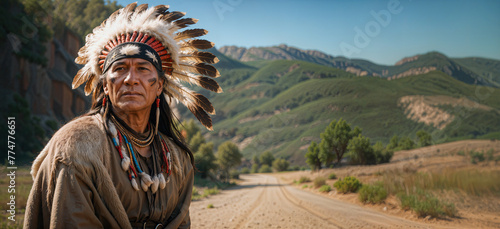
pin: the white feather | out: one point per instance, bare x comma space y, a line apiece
152, 56
130, 50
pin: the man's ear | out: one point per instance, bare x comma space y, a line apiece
105, 87
161, 81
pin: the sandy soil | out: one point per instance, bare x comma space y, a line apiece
272, 201
262, 201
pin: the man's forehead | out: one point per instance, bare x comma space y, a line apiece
132, 61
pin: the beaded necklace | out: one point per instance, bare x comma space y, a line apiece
132, 168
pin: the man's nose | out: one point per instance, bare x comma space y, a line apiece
132, 77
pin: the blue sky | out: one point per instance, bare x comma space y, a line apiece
382, 31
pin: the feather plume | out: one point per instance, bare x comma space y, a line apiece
172, 16
201, 68
129, 8
198, 80
209, 84
141, 8
190, 33
199, 57
161, 9
81, 76
204, 103
194, 45
183, 23
200, 114
188, 97
89, 86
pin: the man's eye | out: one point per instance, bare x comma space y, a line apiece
143, 69
118, 69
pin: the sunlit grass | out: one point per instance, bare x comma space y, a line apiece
470, 181
23, 183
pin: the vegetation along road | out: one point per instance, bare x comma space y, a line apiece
261, 201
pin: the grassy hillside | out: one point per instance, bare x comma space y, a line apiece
284, 105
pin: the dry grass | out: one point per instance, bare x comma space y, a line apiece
22, 189
471, 181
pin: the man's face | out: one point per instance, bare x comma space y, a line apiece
132, 85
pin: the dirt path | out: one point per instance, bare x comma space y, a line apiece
261, 201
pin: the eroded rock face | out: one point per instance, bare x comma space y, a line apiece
47, 89
425, 109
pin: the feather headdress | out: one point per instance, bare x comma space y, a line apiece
178, 51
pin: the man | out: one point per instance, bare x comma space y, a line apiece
124, 164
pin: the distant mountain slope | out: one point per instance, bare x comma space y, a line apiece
479, 71
283, 105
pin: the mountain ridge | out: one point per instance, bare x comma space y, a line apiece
482, 71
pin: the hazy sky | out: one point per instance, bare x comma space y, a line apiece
380, 31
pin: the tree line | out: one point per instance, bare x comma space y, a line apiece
340, 139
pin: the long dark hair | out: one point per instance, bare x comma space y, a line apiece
167, 123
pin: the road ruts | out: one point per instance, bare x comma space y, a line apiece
261, 201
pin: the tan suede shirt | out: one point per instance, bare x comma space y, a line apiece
79, 183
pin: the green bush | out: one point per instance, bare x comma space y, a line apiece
265, 169
332, 176
305, 186
319, 181
234, 174
210, 192
372, 194
425, 204
325, 188
476, 157
245, 170
304, 180
255, 168
348, 184
210, 206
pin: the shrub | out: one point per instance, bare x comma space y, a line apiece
265, 169
425, 204
372, 194
210, 191
195, 195
305, 186
304, 180
348, 184
319, 181
255, 168
245, 170
325, 188
210, 206
476, 157
489, 155
234, 174
332, 176
461, 153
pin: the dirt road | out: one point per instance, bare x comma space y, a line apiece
261, 201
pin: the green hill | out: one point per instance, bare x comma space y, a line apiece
474, 70
283, 105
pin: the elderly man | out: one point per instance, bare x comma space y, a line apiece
124, 164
